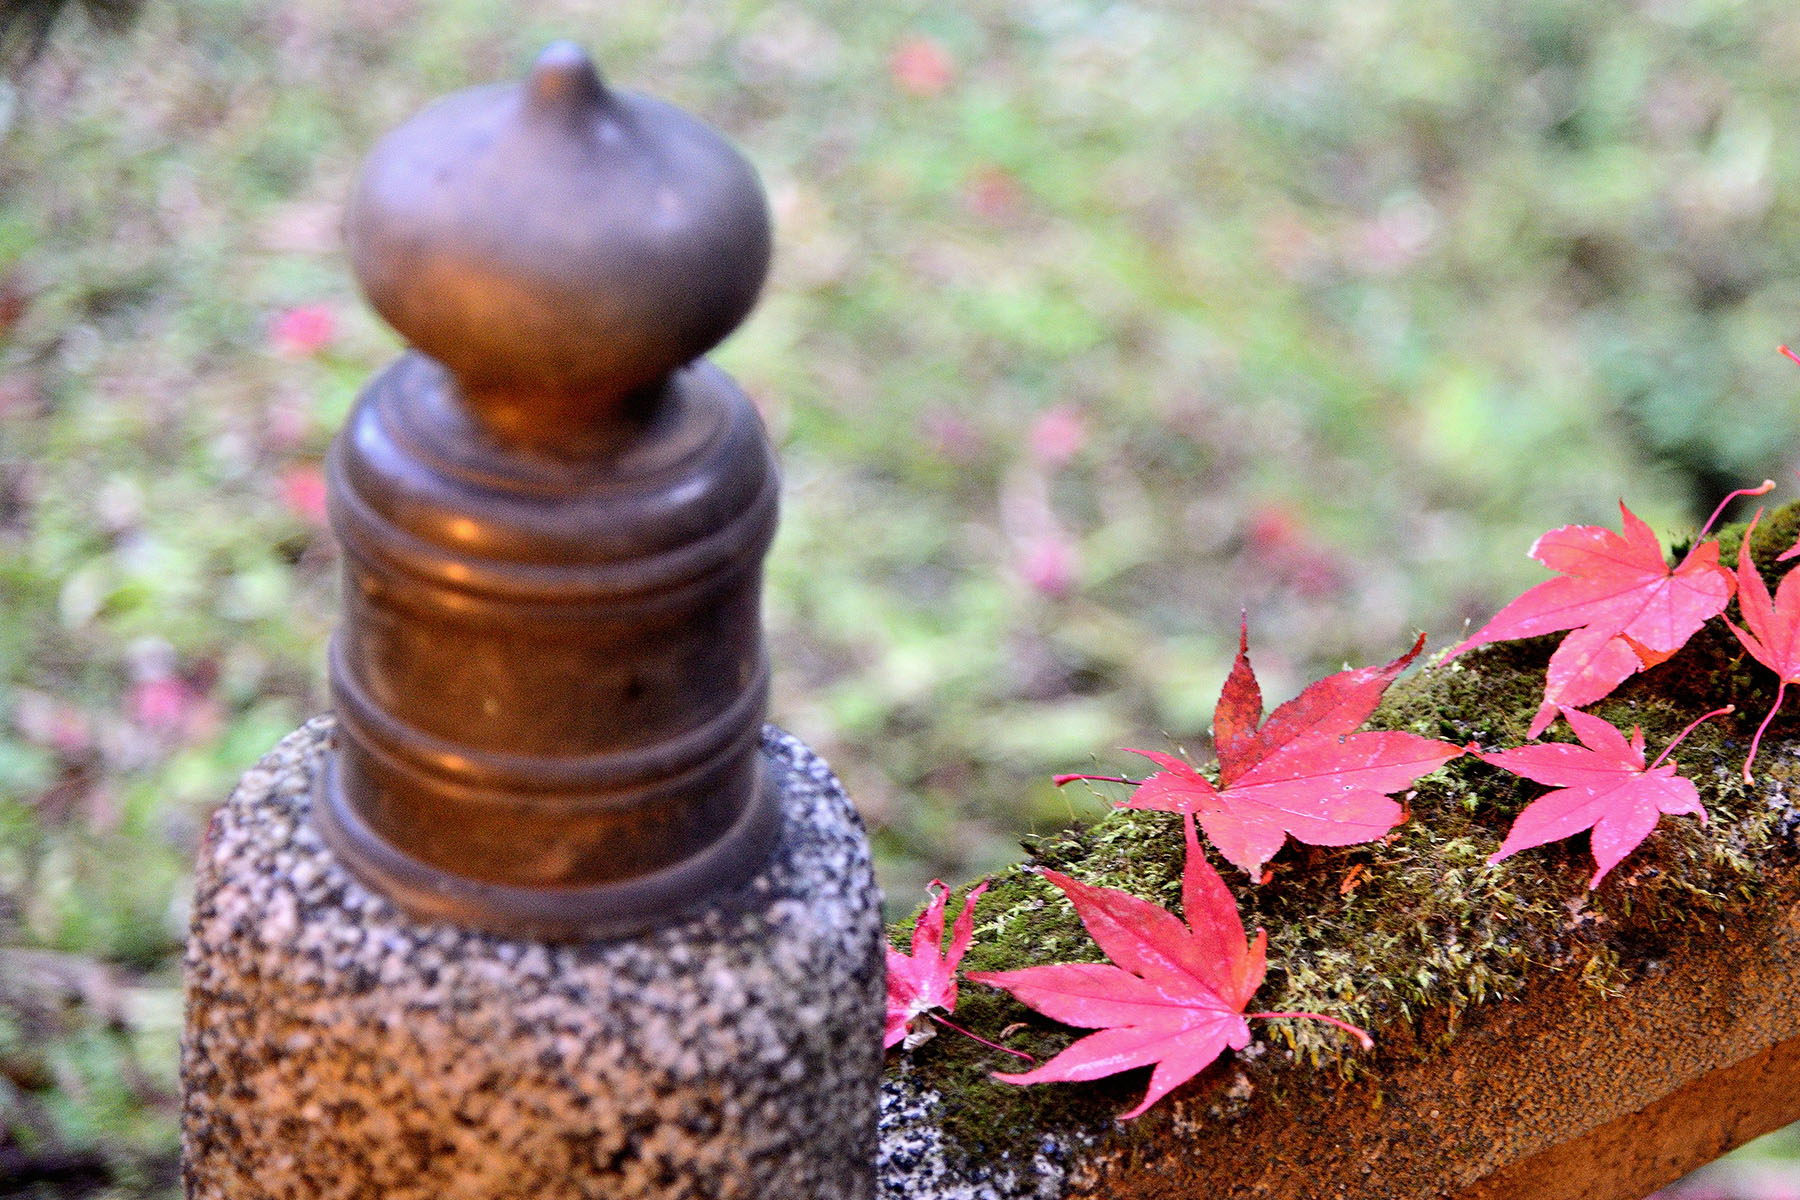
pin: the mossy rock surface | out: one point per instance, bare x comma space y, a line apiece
1403, 936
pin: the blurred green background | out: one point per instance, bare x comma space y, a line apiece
1091, 325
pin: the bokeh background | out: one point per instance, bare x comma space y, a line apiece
1092, 325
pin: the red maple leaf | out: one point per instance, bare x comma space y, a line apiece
1301, 772
1627, 608
1602, 785
1774, 636
1173, 995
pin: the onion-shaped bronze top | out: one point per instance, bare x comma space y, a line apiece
557, 244
550, 676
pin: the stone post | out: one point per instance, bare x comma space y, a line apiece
544, 910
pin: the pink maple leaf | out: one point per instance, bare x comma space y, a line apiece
1602, 785
1627, 608
1773, 638
923, 981
1174, 993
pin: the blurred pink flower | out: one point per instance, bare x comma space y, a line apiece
159, 703
50, 722
1274, 533
993, 194
303, 331
170, 705
20, 396
1058, 435
921, 67
1289, 246
1048, 565
950, 435
1277, 541
303, 492
1392, 241
288, 423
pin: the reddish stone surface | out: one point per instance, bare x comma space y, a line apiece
1641, 1151
1559, 1093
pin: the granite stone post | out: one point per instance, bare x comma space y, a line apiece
544, 909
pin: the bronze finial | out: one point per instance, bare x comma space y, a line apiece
550, 676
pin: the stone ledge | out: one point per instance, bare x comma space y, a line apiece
1535, 1040
1559, 1094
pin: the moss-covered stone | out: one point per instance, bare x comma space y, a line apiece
1401, 936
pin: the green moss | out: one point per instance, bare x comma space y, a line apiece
1400, 936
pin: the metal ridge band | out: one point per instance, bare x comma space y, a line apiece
535, 779
676, 570
415, 396
599, 911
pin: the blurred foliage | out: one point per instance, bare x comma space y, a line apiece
1091, 326
25, 25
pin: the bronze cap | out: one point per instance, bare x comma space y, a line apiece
550, 676
558, 245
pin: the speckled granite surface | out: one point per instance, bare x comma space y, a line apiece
336, 1049
916, 1162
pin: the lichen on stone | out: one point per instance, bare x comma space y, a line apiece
1425, 928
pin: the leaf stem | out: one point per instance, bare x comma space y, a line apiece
1059, 780
979, 1038
1717, 712
1768, 485
1789, 353
1368, 1043
1780, 692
